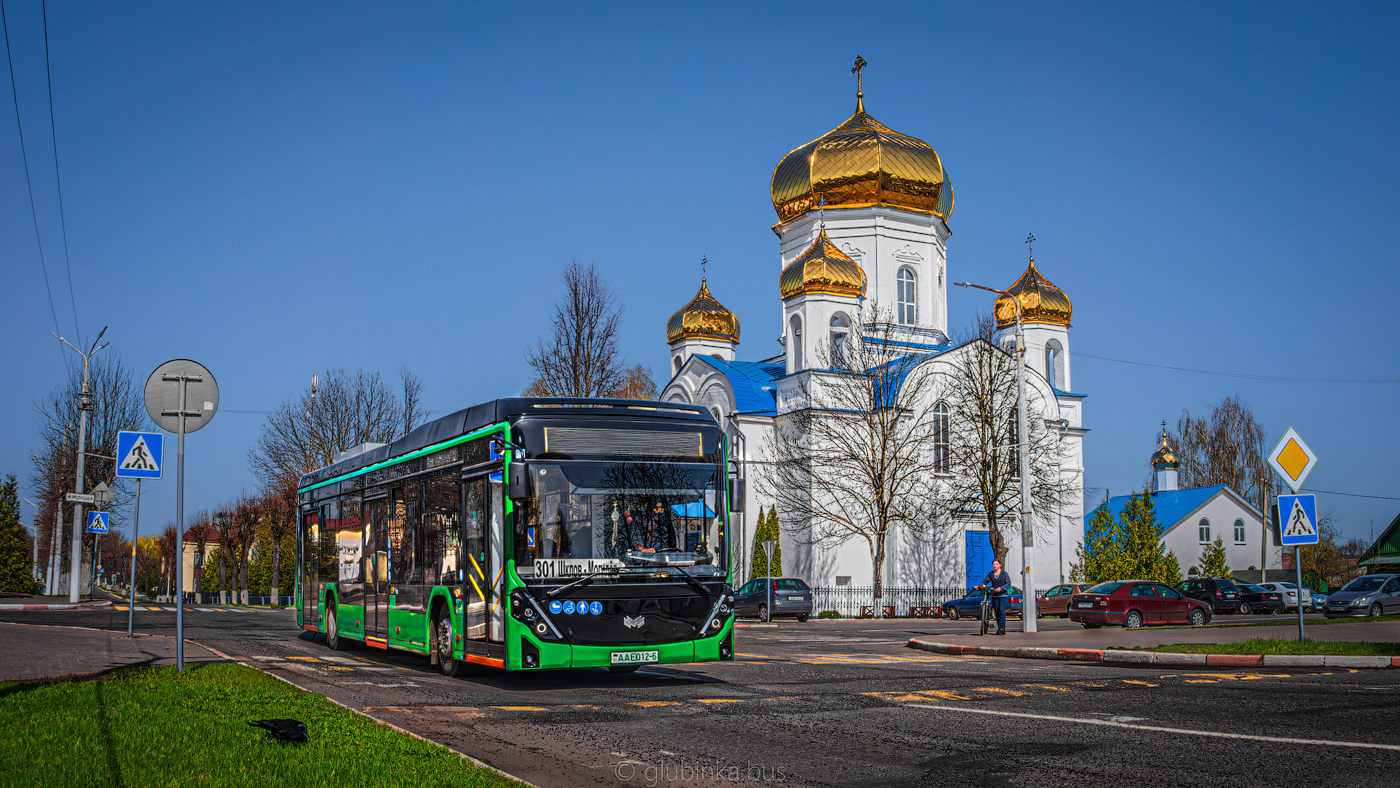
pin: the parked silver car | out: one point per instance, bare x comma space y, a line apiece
1368, 595
1290, 595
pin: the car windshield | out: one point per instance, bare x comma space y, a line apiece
1365, 585
1225, 585
617, 513
1105, 588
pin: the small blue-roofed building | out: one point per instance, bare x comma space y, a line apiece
1191, 518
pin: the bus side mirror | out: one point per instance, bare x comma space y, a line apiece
519, 480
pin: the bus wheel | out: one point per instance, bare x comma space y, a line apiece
442, 632
333, 638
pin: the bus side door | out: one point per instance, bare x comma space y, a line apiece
376, 572
476, 567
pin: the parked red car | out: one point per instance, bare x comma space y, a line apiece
1135, 603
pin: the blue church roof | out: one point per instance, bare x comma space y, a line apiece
1170, 507
753, 382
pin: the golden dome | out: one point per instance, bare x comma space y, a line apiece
703, 318
859, 163
1165, 456
1041, 301
822, 269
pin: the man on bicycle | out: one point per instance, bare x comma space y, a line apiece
998, 582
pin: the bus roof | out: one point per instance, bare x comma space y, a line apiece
494, 412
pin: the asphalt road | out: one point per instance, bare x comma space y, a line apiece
846, 703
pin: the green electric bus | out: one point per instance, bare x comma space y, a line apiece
526, 533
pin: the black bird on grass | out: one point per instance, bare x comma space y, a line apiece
283, 730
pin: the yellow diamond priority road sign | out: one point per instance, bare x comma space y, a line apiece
1292, 459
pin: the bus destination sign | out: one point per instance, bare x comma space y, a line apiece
552, 568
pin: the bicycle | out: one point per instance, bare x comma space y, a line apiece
988, 614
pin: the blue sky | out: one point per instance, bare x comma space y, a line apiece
277, 190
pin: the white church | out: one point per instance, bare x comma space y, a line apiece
863, 217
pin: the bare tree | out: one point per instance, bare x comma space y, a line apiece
856, 459
581, 358
637, 383
116, 404
982, 326
197, 536
1226, 447
343, 411
279, 506
246, 515
169, 562
982, 466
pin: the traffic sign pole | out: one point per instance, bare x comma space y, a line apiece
1298, 565
180, 534
131, 583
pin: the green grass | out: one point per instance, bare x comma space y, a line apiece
1271, 646
154, 727
1286, 619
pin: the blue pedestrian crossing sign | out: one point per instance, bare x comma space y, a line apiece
139, 454
1297, 520
97, 522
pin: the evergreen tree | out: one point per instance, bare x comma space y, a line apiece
16, 563
767, 529
1128, 547
1213, 562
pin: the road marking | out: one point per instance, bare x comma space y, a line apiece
719, 700
1159, 729
205, 609
521, 708
653, 703
1001, 690
1047, 686
268, 659
305, 659
1140, 683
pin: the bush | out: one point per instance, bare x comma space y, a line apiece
828, 614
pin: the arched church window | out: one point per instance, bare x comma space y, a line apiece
715, 412
1205, 531
840, 333
1055, 363
1239, 531
940, 438
795, 342
905, 296
677, 364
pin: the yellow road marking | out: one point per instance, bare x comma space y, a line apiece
521, 708
120, 607
719, 700
1017, 693
1047, 686
1202, 681
305, 659
583, 706
338, 667
945, 694
897, 697
653, 703
1141, 683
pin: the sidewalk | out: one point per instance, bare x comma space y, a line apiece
47, 603
30, 652
1113, 644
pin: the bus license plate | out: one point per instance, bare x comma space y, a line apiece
635, 657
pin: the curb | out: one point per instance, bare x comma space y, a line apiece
64, 606
1131, 657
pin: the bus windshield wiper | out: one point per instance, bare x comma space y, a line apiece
693, 582
579, 583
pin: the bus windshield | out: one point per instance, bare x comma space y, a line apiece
629, 514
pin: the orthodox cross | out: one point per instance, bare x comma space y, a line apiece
821, 210
860, 64
704, 263
1030, 245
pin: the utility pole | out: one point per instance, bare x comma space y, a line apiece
75, 564
35, 525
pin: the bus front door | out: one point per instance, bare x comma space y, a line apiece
376, 570
310, 539
475, 559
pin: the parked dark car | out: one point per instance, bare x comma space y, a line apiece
1056, 600
1220, 593
1135, 603
970, 606
1368, 595
790, 597
1257, 599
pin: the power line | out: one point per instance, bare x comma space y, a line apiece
1244, 375
24, 154
58, 178
1352, 495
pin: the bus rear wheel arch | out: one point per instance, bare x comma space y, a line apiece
333, 638
442, 643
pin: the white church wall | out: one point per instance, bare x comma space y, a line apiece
1222, 511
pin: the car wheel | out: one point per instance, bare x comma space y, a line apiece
1197, 617
1376, 610
1309, 609
953, 614
1245, 609
333, 639
1132, 620
802, 619
763, 613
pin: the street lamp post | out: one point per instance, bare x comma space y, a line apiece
1028, 601
75, 566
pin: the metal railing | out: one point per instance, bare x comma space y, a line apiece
848, 601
